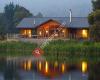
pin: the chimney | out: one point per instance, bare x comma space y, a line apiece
34, 21
70, 11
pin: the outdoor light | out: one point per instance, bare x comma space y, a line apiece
84, 67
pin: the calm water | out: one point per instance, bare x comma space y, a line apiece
30, 69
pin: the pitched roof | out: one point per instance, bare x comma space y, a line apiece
77, 22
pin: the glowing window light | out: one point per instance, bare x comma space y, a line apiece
46, 31
84, 33
63, 31
40, 33
29, 65
63, 67
29, 33
84, 67
46, 67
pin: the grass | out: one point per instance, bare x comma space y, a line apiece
72, 50
16, 48
57, 50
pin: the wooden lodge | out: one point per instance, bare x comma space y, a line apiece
45, 27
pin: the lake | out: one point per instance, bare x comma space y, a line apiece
32, 69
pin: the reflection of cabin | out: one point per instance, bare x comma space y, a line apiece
47, 26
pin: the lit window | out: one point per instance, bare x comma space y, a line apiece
84, 33
63, 31
40, 33
46, 31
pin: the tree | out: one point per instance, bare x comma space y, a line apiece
14, 14
94, 71
20, 13
39, 15
9, 13
2, 26
96, 4
94, 21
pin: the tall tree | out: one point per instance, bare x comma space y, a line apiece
9, 13
20, 13
96, 4
39, 15
14, 14
94, 20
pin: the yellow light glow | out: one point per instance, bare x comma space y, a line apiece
63, 31
46, 31
84, 67
84, 33
46, 67
40, 65
25, 65
63, 67
40, 33
29, 65
56, 64
29, 33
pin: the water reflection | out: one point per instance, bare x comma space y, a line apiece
17, 69
84, 66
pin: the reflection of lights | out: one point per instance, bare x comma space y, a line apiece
63, 67
84, 67
25, 65
29, 65
40, 65
84, 33
56, 64
46, 67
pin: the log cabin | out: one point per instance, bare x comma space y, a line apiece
45, 27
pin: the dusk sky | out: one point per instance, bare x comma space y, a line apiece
56, 8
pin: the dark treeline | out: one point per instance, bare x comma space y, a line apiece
11, 16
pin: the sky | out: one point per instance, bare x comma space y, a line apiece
53, 8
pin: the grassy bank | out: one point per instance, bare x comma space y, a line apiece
16, 48
72, 50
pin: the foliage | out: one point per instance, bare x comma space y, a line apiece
14, 14
95, 31
94, 17
16, 48
96, 4
94, 71
64, 50
94, 20
39, 15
